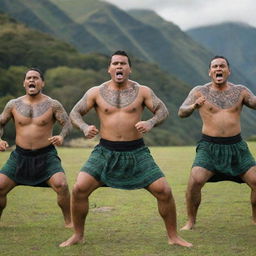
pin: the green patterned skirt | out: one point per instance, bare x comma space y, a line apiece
226, 157
131, 169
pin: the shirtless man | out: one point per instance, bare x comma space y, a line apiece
121, 160
221, 152
35, 162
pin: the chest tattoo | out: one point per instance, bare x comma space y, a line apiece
119, 98
222, 99
32, 111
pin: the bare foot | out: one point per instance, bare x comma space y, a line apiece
179, 241
188, 226
75, 239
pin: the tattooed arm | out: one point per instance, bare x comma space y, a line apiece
80, 109
4, 118
157, 107
192, 102
61, 116
249, 98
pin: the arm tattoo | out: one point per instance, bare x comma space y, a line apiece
223, 99
77, 112
119, 98
32, 111
6, 116
62, 117
159, 109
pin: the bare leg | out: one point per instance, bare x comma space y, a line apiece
59, 184
250, 178
84, 186
197, 179
6, 185
166, 207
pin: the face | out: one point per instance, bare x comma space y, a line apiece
33, 83
219, 71
119, 69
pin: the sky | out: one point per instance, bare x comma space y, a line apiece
195, 13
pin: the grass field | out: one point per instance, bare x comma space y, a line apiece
32, 223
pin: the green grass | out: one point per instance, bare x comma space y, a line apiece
32, 223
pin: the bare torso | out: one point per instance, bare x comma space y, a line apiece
33, 122
119, 111
221, 111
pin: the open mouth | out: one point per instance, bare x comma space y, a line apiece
31, 86
119, 74
219, 75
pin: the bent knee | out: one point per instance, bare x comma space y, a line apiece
60, 186
80, 189
161, 191
199, 176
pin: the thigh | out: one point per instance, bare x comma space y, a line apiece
86, 183
200, 175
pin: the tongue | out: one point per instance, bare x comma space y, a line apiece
119, 76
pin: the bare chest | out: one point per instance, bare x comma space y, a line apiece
38, 114
218, 101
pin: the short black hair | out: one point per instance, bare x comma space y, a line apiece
123, 53
37, 70
219, 57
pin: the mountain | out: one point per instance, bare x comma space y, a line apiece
236, 41
47, 17
153, 42
118, 29
68, 74
96, 26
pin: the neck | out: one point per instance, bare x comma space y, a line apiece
33, 98
222, 86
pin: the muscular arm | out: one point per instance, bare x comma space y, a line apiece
249, 98
157, 107
62, 117
6, 116
80, 109
193, 101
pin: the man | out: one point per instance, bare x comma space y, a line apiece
35, 161
221, 153
121, 159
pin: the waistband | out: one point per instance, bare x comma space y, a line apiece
35, 152
122, 145
222, 140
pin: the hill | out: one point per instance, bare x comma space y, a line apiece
96, 26
71, 74
236, 41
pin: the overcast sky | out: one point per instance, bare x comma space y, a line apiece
193, 13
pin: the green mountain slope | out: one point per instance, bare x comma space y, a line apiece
236, 41
47, 17
69, 74
118, 29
